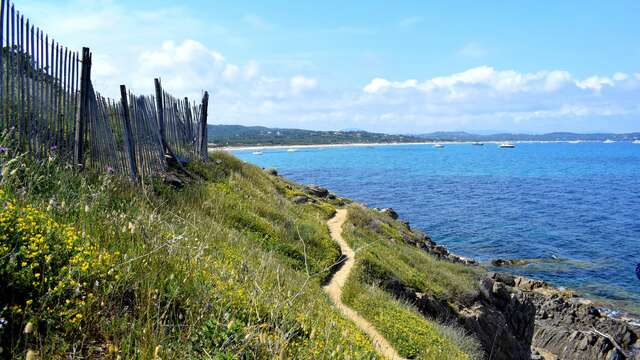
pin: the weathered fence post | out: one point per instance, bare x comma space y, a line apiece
128, 135
204, 151
82, 115
160, 110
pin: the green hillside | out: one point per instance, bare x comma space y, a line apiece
224, 267
237, 135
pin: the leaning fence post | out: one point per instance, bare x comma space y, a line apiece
160, 109
203, 127
128, 136
82, 115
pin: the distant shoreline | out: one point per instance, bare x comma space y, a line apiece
308, 146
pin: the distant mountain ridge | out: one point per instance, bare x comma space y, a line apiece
238, 135
555, 136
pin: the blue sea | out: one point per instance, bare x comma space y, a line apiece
574, 209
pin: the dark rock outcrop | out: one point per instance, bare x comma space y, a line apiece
502, 320
573, 330
271, 171
507, 262
316, 190
500, 317
390, 213
566, 327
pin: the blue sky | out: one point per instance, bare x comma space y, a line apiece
402, 67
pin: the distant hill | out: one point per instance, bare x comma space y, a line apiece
556, 136
237, 135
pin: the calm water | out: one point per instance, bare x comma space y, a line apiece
574, 207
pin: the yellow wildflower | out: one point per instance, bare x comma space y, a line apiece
31, 355
28, 329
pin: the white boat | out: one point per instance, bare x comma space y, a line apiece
292, 150
608, 141
507, 146
636, 142
575, 142
438, 146
257, 153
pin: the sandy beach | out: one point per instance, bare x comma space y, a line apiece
264, 147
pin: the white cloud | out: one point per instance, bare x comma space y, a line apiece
230, 72
594, 83
488, 80
619, 76
377, 85
251, 70
484, 97
301, 84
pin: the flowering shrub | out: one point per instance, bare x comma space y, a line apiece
49, 274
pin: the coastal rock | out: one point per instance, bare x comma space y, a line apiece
316, 190
502, 319
527, 284
573, 330
390, 212
504, 278
271, 171
568, 328
507, 262
499, 317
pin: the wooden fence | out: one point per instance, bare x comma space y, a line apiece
49, 104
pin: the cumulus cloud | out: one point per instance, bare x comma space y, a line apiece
186, 68
300, 84
484, 97
488, 80
595, 83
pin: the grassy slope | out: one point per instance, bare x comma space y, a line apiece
224, 268
382, 255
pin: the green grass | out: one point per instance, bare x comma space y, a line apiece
382, 254
381, 249
410, 333
226, 267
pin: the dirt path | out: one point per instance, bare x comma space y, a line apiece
334, 289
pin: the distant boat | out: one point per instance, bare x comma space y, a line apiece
636, 142
507, 146
438, 146
575, 142
608, 141
477, 144
257, 153
292, 150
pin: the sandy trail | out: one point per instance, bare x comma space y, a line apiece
334, 289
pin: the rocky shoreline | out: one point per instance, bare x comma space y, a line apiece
515, 317
521, 318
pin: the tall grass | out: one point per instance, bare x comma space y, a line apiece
226, 267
